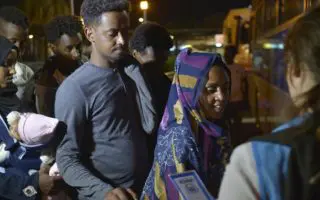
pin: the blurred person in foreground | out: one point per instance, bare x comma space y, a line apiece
193, 134
285, 165
238, 97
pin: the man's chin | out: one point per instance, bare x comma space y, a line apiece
120, 55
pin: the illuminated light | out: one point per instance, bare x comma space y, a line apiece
173, 48
281, 46
273, 46
141, 20
269, 46
31, 37
144, 5
172, 37
218, 45
185, 46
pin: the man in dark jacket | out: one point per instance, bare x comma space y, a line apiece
65, 40
150, 45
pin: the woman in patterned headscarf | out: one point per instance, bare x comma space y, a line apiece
192, 134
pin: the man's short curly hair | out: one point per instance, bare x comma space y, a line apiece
150, 34
15, 16
70, 25
91, 10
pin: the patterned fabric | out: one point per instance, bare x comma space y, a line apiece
181, 146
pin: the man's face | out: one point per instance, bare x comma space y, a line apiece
14, 33
68, 47
109, 38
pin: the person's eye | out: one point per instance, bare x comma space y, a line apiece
211, 89
69, 49
112, 33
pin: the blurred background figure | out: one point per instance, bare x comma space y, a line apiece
14, 26
65, 42
238, 97
150, 45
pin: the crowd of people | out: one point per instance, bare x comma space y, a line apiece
110, 125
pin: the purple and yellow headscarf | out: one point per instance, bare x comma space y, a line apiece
181, 146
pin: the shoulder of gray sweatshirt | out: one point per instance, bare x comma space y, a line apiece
108, 112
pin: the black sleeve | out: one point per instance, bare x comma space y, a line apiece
16, 186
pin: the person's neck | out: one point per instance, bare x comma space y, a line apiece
99, 61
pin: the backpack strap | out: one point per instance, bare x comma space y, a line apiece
302, 181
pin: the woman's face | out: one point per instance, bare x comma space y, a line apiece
215, 95
7, 68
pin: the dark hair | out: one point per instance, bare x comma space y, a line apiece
91, 10
70, 25
230, 52
150, 34
219, 62
5, 48
303, 48
15, 16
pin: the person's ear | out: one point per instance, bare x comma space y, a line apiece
52, 48
89, 33
135, 54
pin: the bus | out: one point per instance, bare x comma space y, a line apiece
270, 22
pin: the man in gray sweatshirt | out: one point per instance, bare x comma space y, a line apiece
108, 110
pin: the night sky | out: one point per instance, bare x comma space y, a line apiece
179, 13
185, 13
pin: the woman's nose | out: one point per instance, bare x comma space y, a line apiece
219, 95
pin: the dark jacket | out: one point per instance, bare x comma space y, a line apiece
15, 183
49, 79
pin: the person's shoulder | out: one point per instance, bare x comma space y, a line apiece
129, 60
23, 65
20, 64
46, 79
79, 75
237, 67
25, 68
291, 131
76, 81
242, 153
